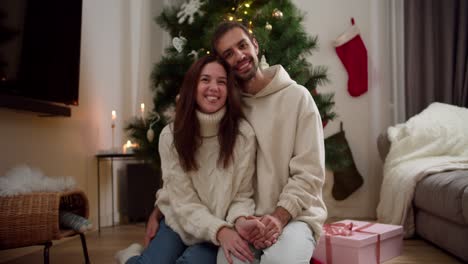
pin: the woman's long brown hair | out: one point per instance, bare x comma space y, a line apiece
187, 137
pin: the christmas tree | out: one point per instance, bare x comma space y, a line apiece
276, 24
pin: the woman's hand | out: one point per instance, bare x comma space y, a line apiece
152, 225
232, 243
249, 228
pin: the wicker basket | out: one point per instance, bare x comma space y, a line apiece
32, 219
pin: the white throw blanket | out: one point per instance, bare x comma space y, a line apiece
24, 179
433, 141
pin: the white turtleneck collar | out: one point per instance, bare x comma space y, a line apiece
209, 123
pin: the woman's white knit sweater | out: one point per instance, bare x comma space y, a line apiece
199, 203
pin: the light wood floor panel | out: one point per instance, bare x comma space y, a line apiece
102, 248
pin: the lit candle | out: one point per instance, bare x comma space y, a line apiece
142, 108
129, 147
114, 116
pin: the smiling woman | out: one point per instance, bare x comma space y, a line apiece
208, 86
207, 164
211, 89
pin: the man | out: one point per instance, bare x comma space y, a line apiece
290, 164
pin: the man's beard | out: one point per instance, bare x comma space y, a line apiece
245, 77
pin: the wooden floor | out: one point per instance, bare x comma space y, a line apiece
102, 247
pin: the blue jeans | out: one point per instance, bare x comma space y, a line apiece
167, 247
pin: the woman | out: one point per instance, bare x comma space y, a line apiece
207, 162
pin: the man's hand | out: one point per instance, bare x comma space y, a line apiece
232, 243
273, 229
274, 224
152, 225
249, 227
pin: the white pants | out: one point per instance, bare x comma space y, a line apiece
295, 246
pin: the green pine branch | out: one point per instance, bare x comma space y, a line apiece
286, 43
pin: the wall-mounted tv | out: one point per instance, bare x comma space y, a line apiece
40, 55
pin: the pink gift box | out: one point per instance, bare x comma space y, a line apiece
361, 247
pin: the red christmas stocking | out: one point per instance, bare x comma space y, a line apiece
353, 55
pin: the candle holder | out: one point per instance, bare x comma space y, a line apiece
113, 141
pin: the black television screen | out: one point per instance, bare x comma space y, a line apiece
40, 49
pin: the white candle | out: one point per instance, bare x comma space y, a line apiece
142, 108
126, 147
129, 147
114, 116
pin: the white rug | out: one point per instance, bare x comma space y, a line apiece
24, 179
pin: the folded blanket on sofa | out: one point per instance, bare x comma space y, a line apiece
433, 141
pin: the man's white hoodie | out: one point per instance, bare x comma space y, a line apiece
290, 165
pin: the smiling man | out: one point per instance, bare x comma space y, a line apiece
290, 165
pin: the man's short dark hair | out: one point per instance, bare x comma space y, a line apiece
225, 27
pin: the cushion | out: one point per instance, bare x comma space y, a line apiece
444, 194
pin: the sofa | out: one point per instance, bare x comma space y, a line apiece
440, 206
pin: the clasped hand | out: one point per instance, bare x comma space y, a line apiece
261, 232
272, 228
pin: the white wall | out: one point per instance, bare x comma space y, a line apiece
365, 116
115, 53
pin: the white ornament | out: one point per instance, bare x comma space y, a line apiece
188, 10
193, 54
179, 43
150, 135
263, 63
277, 13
